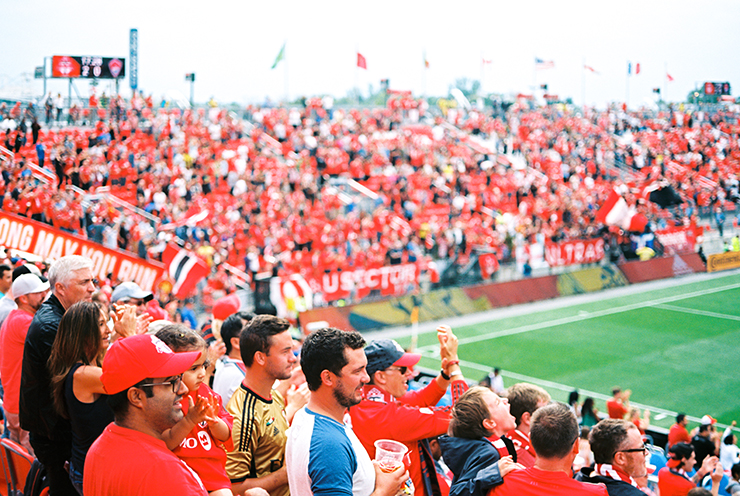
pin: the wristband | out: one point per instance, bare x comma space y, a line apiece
444, 376
453, 362
455, 373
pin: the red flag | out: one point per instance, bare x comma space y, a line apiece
185, 269
487, 61
361, 62
637, 68
616, 212
589, 68
669, 77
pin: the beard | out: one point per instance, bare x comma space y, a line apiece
345, 398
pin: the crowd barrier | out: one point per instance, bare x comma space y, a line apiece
453, 302
662, 268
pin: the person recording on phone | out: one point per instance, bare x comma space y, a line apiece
388, 411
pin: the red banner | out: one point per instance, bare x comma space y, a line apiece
488, 264
579, 251
44, 241
389, 280
679, 239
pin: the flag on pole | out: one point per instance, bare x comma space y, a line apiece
361, 62
543, 64
669, 77
616, 212
629, 68
184, 268
279, 57
426, 61
486, 61
589, 68
637, 69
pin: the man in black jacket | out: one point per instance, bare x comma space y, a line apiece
71, 281
619, 453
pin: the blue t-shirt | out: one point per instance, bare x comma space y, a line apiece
324, 457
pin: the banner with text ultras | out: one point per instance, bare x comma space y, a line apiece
578, 251
44, 241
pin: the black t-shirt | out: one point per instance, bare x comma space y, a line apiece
703, 447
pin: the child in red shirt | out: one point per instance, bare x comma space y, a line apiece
202, 448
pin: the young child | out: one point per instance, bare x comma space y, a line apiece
200, 437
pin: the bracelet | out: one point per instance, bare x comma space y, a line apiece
444, 376
455, 373
453, 362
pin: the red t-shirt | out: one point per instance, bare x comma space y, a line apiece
125, 461
408, 420
524, 451
673, 483
678, 434
12, 339
535, 482
202, 452
616, 409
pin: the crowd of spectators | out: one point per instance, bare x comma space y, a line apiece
447, 187
344, 398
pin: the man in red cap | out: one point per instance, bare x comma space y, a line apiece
387, 411
144, 379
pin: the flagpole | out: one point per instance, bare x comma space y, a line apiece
424, 76
357, 74
482, 72
285, 63
627, 98
583, 84
665, 81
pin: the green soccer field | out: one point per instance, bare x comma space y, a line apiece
676, 348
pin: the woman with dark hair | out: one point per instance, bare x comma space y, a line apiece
75, 365
589, 414
673, 479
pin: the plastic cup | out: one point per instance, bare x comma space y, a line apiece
389, 454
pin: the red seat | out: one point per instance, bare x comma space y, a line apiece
18, 462
5, 488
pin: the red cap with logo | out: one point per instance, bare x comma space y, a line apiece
131, 360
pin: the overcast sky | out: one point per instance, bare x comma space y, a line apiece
230, 45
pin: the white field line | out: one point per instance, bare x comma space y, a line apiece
432, 351
698, 312
586, 316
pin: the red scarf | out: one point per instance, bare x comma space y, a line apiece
607, 470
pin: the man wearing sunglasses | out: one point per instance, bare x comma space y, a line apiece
144, 379
387, 411
129, 293
619, 453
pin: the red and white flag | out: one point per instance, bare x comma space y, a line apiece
361, 62
589, 68
616, 212
185, 269
669, 77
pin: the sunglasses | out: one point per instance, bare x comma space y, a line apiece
402, 370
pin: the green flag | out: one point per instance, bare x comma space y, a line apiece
279, 57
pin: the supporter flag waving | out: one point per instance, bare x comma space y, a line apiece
616, 212
543, 64
280, 56
361, 62
669, 77
184, 268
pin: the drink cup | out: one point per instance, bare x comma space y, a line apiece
389, 454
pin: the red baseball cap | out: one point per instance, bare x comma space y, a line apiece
133, 359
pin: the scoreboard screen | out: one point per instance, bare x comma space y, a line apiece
714, 88
86, 67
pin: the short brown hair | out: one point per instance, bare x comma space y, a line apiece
468, 414
523, 397
554, 431
607, 437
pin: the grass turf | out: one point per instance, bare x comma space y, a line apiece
677, 349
